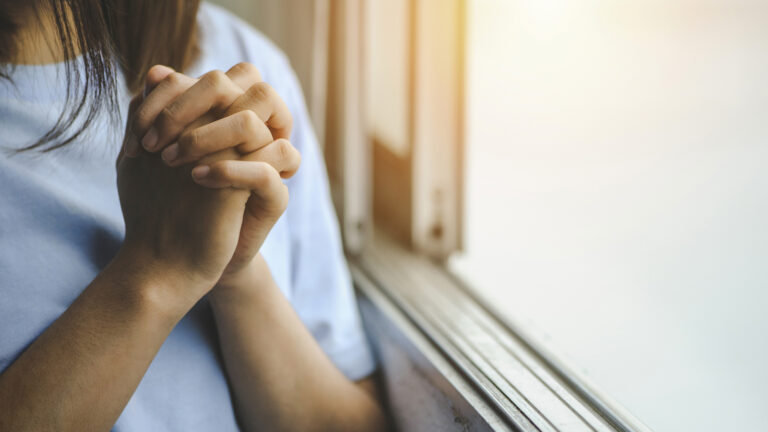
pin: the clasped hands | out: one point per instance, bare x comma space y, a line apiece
200, 175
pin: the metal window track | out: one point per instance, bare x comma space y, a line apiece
526, 387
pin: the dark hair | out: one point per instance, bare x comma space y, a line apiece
134, 34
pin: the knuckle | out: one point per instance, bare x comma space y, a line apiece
284, 149
261, 91
173, 79
224, 89
223, 170
215, 78
189, 143
141, 119
168, 117
248, 69
267, 174
249, 121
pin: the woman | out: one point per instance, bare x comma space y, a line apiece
212, 301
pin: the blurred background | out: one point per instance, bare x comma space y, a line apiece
596, 170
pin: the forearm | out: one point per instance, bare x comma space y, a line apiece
281, 378
79, 374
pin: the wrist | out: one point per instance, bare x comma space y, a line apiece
158, 288
251, 279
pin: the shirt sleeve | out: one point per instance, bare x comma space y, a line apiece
322, 293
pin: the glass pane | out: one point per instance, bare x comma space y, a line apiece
617, 195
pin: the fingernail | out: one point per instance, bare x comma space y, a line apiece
150, 139
170, 153
131, 146
200, 171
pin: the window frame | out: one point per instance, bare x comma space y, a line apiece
495, 376
424, 208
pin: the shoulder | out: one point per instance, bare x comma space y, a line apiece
226, 40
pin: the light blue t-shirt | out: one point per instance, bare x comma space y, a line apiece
60, 224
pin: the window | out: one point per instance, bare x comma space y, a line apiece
555, 210
615, 195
